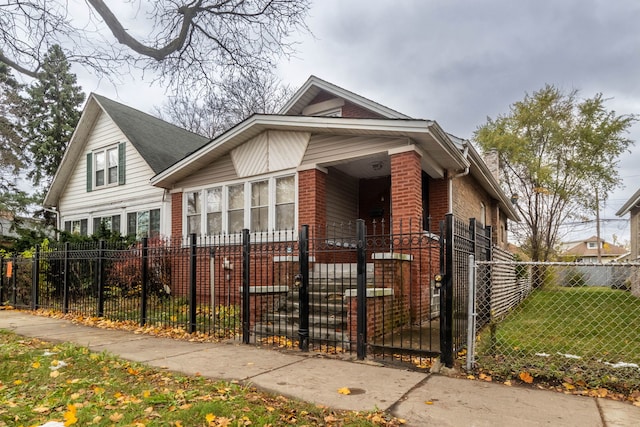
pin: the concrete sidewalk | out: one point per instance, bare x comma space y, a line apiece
311, 377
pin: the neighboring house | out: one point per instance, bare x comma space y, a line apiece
104, 174
8, 232
330, 157
587, 251
632, 207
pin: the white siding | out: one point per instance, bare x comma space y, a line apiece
221, 170
342, 197
136, 194
327, 149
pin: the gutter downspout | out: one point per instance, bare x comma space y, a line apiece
465, 153
53, 211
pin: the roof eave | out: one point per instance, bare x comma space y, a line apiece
633, 201
414, 129
63, 173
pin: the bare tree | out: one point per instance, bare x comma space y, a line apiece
228, 103
180, 41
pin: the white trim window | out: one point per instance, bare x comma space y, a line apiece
144, 223
261, 205
106, 166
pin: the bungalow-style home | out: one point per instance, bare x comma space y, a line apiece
329, 157
587, 251
104, 174
632, 206
332, 156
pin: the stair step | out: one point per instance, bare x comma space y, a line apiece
331, 321
291, 331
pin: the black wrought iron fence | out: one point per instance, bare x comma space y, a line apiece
367, 290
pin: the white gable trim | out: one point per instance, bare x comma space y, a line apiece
270, 151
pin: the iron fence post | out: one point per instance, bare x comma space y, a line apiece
14, 280
35, 271
192, 283
101, 252
446, 297
145, 277
2, 285
303, 291
246, 271
65, 280
361, 344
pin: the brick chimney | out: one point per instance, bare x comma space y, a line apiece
492, 160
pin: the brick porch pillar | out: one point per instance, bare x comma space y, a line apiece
312, 200
176, 216
406, 190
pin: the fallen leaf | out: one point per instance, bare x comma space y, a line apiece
54, 374
526, 377
35, 365
344, 390
210, 417
70, 416
429, 402
568, 386
116, 417
41, 409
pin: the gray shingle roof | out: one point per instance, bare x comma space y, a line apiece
161, 144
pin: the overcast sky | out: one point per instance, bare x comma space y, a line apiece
458, 62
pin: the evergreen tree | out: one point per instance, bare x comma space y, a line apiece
52, 113
10, 141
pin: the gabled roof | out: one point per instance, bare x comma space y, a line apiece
314, 85
427, 134
581, 249
630, 204
159, 143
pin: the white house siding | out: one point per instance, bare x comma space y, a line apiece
222, 170
135, 195
325, 150
342, 198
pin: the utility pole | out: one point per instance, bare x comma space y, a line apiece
598, 227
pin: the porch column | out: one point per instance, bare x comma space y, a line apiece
406, 190
312, 200
176, 216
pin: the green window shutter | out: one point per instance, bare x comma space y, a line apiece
121, 164
89, 172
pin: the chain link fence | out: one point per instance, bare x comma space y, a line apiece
572, 324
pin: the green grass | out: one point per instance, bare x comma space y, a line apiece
594, 323
98, 389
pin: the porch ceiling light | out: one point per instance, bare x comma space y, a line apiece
376, 166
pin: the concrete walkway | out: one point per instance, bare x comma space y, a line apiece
311, 377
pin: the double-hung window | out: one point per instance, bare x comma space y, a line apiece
214, 210
235, 211
285, 203
106, 167
261, 205
194, 210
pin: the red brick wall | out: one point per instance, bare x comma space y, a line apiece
176, 216
406, 192
312, 199
438, 202
352, 110
384, 314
